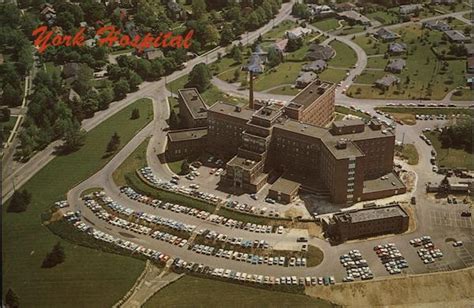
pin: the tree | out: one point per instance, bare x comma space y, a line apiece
121, 88
19, 201
274, 57
12, 96
74, 136
300, 10
294, 44
236, 74
106, 95
236, 54
5, 115
114, 143
135, 114
199, 8
200, 77
227, 34
185, 167
11, 299
55, 257
134, 81
83, 83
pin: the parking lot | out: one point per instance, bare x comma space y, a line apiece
450, 217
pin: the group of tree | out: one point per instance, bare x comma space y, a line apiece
19, 202
200, 77
458, 135
17, 50
135, 114
54, 257
300, 10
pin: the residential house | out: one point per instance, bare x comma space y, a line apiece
298, 32
315, 66
255, 64
320, 52
456, 36
470, 65
304, 79
386, 81
436, 25
280, 46
397, 48
386, 35
355, 17
48, 14
409, 9
396, 65
152, 53
176, 10
320, 10
469, 49
263, 55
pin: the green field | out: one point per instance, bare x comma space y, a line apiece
376, 62
176, 166
327, 24
352, 29
284, 90
345, 110
408, 152
387, 17
425, 76
449, 157
192, 291
135, 161
333, 75
369, 77
285, 73
463, 95
345, 55
81, 280
370, 45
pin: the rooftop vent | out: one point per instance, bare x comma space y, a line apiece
238, 109
341, 144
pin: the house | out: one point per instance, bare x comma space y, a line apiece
385, 35
280, 46
152, 53
395, 65
470, 82
315, 66
298, 33
436, 25
443, 1
397, 48
455, 36
48, 14
410, 9
304, 79
355, 17
469, 49
386, 81
470, 65
176, 10
263, 55
320, 10
345, 6
320, 52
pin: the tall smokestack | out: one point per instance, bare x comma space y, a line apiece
251, 91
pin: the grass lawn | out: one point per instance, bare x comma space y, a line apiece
333, 75
408, 152
405, 118
284, 90
369, 77
86, 273
285, 73
135, 161
314, 256
370, 45
176, 166
456, 24
384, 17
278, 32
195, 292
345, 110
210, 95
352, 29
345, 55
327, 24
449, 157
376, 62
463, 95
426, 76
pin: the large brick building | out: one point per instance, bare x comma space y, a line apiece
192, 109
363, 223
351, 160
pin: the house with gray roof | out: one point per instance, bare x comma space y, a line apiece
304, 79
396, 65
356, 17
408, 9
397, 48
436, 25
385, 35
320, 52
456, 36
386, 81
315, 66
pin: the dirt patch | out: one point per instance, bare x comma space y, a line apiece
405, 118
292, 213
57, 215
408, 178
453, 287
